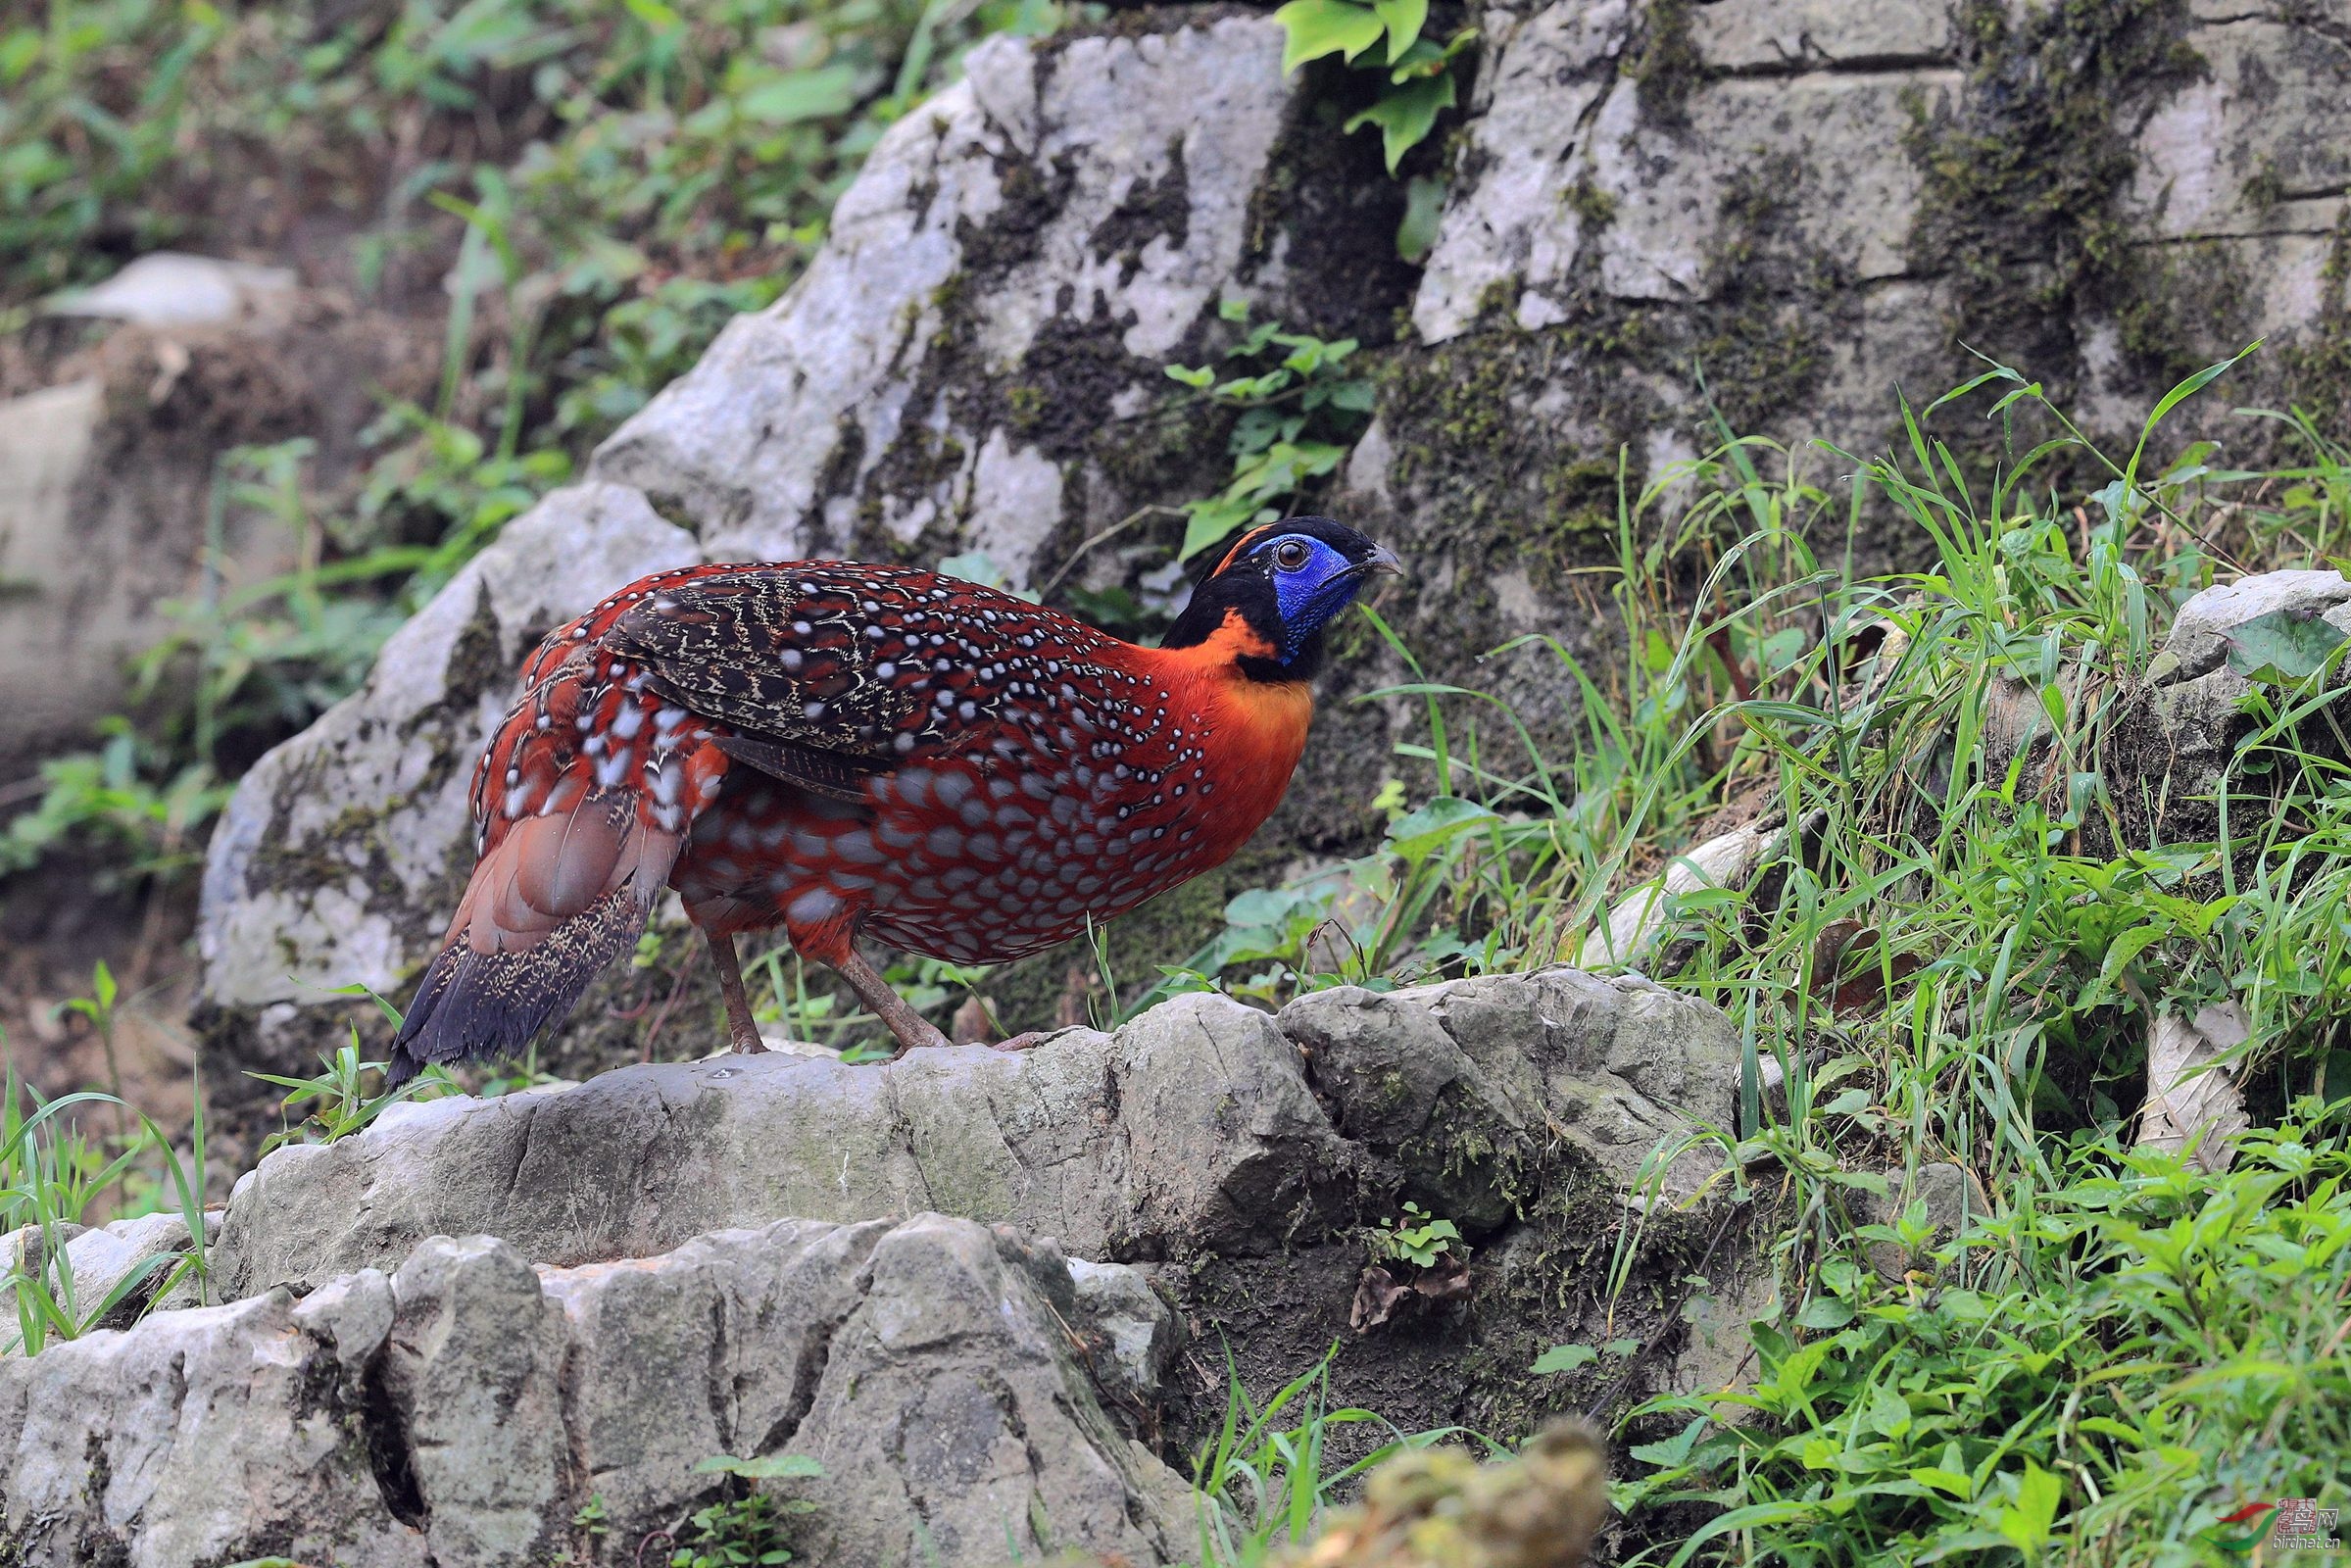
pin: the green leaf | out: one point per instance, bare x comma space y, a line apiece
1319, 27
1196, 376
1564, 1358
1403, 19
2120, 954
1824, 1312
2281, 647
2028, 1524
655, 15
801, 95
1405, 115
1951, 1481
1673, 1450
1889, 1413
1424, 205
1213, 519
1417, 834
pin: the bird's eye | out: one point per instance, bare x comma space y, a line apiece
1290, 553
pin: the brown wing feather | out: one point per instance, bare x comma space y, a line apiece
557, 898
863, 664
763, 653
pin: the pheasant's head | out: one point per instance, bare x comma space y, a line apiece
1274, 591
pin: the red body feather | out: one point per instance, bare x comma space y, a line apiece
839, 749
1008, 773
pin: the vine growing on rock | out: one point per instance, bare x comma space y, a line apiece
1422, 80
1300, 410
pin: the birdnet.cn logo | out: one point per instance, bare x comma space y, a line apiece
2290, 1524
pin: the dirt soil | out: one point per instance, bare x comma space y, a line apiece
56, 924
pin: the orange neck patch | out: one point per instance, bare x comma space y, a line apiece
1259, 726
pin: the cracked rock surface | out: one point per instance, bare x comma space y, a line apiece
465, 1407
1192, 1129
446, 1333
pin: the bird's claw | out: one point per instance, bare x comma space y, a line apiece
1029, 1041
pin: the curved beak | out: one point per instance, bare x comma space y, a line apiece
1381, 561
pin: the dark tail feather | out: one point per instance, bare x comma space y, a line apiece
472, 1004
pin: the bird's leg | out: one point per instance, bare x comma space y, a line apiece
910, 1027
741, 1028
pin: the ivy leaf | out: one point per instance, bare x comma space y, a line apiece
1405, 115
2281, 647
1319, 27
1402, 18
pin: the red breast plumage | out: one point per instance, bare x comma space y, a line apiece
842, 749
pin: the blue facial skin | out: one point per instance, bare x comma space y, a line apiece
1310, 593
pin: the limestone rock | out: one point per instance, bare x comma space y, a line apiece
81, 1267
204, 1435
469, 1410
1091, 196
1781, 211
471, 1367
139, 1250
1139, 1336
1584, 179
1467, 1085
2244, 169
1236, 1159
2199, 639
2195, 704
1637, 921
947, 1426
1192, 1129
341, 856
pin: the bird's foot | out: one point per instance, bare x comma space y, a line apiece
743, 1044
1029, 1041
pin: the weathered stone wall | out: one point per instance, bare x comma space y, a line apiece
1816, 205
1809, 204
780, 1256
459, 1408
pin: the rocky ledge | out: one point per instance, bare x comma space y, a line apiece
961, 1284
466, 1408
